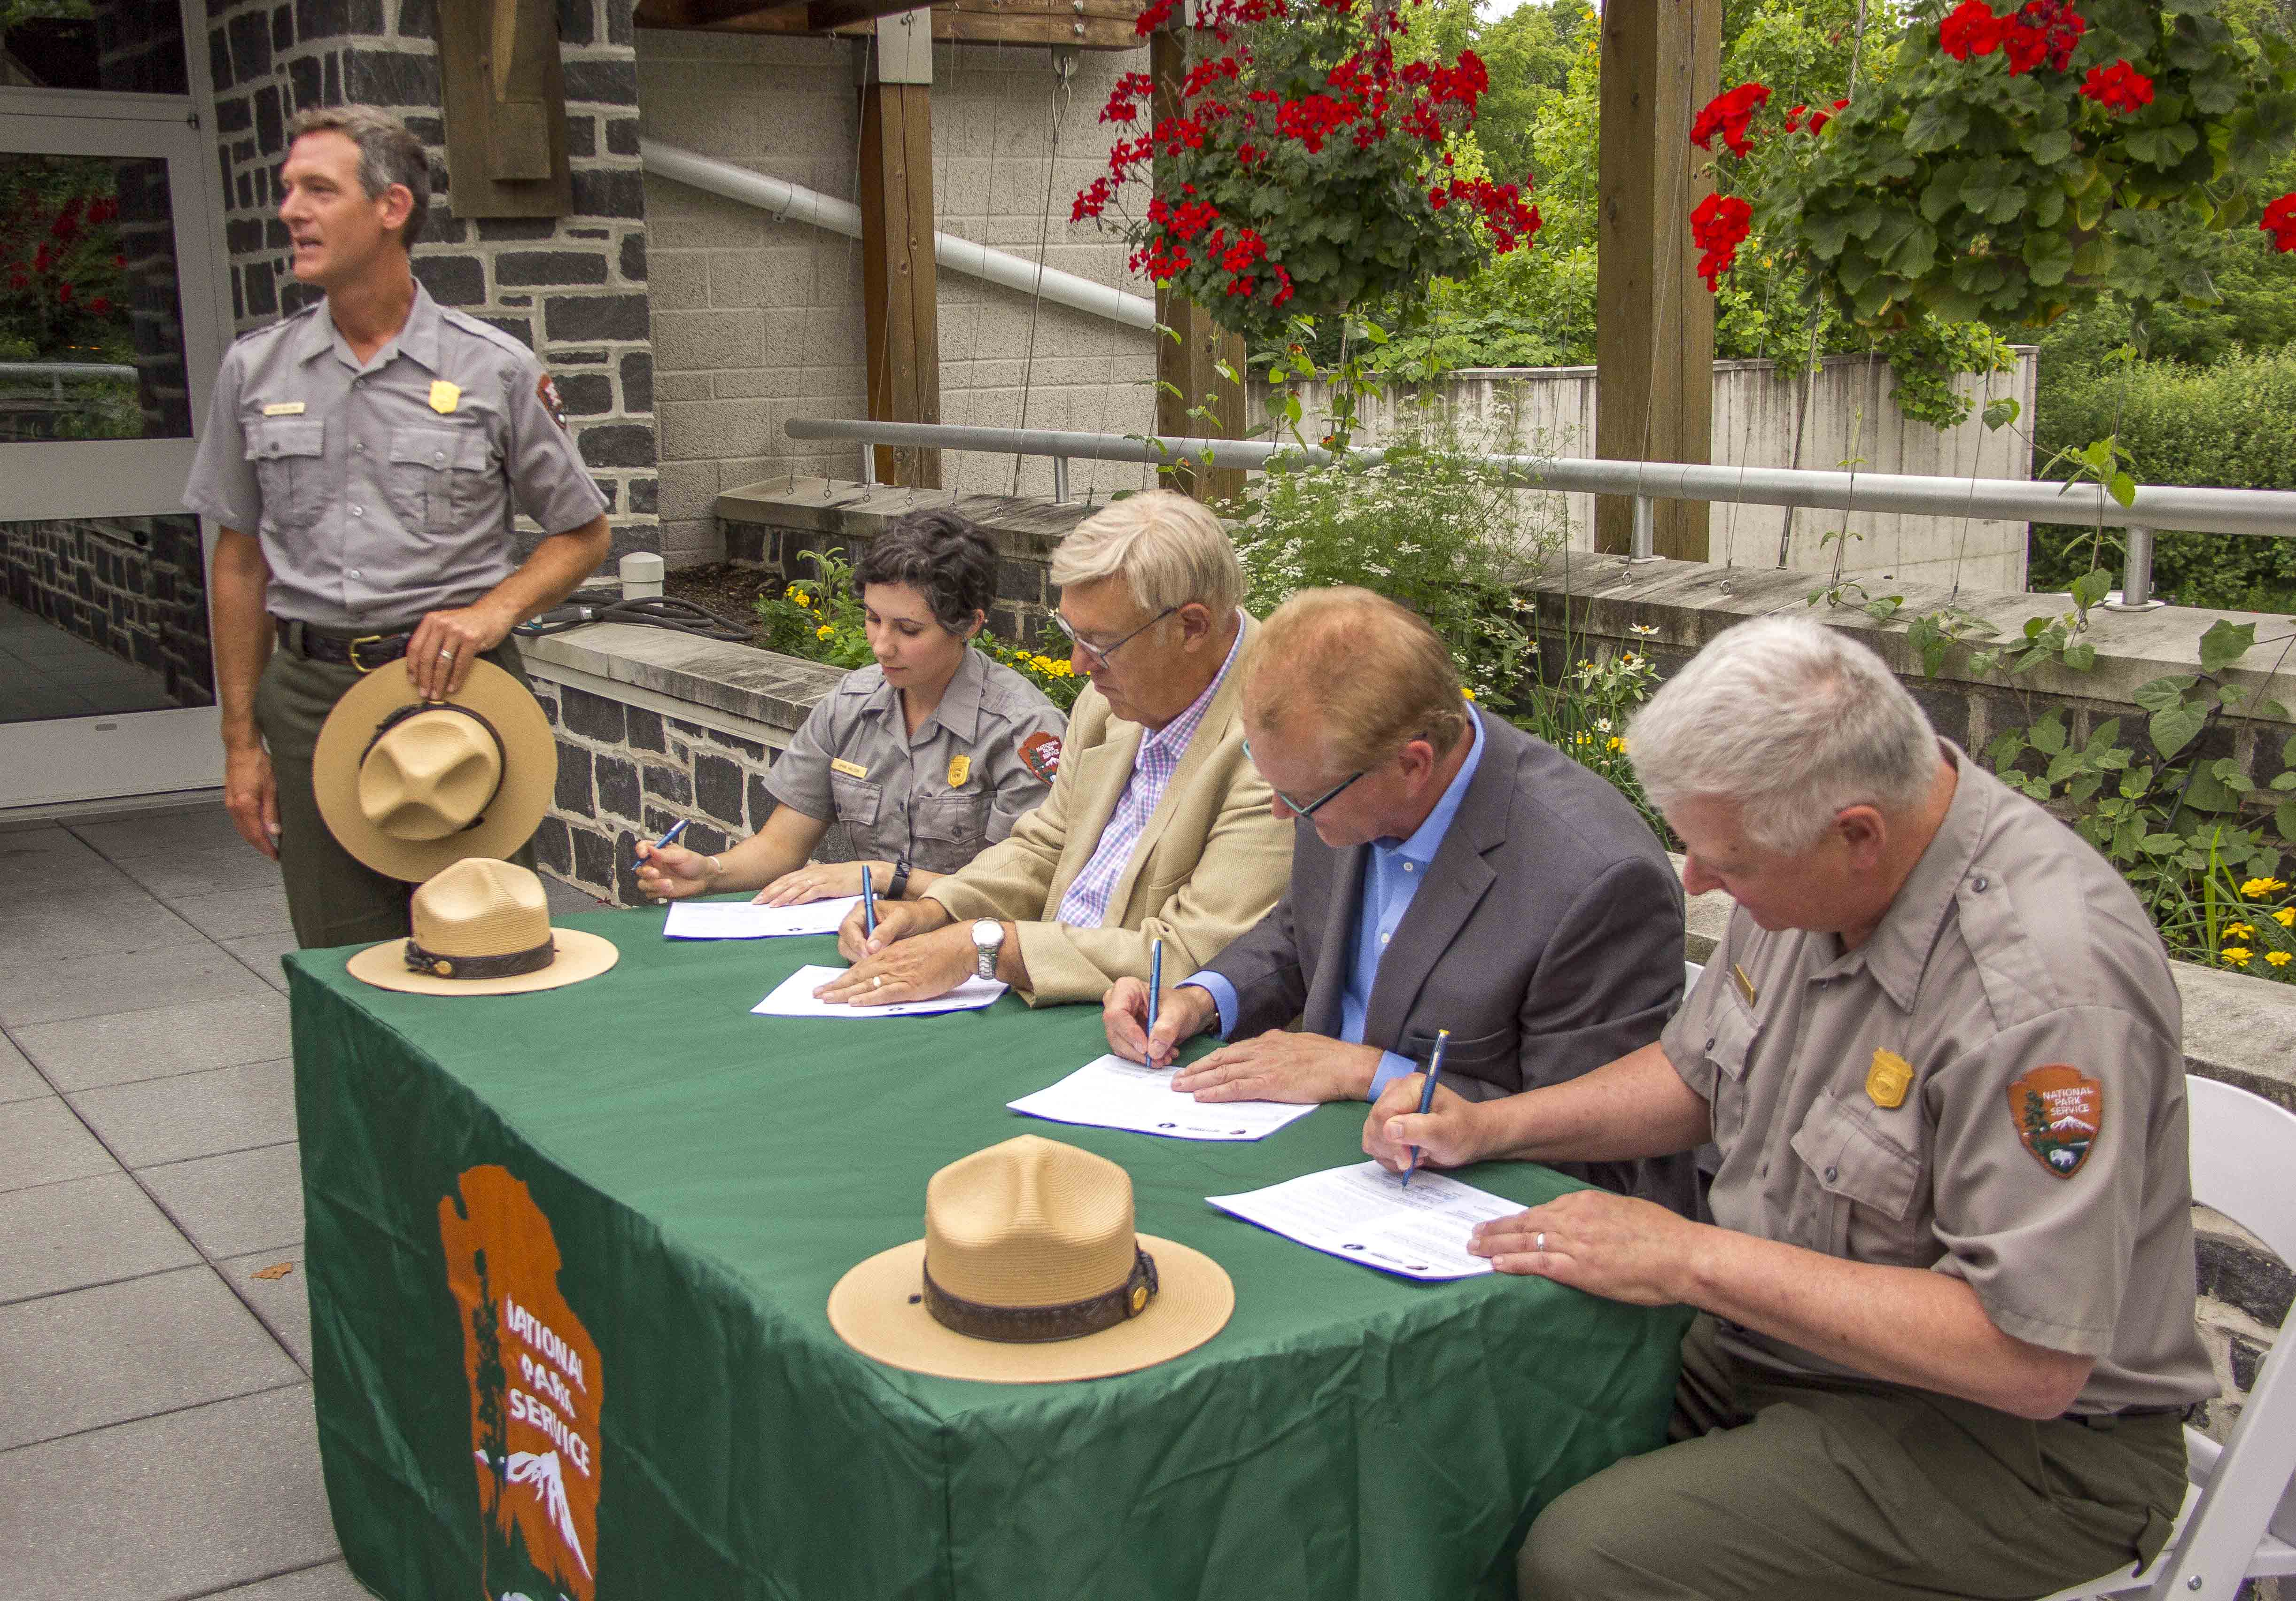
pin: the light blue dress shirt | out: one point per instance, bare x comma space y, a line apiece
1391, 878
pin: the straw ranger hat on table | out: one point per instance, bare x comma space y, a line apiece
1029, 1272
410, 786
482, 927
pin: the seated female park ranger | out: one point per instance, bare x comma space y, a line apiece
926, 757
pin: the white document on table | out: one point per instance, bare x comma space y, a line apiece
1365, 1214
740, 920
793, 997
1109, 1092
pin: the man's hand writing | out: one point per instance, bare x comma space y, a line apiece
896, 920
672, 872
1181, 1015
1448, 1135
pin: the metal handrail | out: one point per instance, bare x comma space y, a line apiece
2270, 512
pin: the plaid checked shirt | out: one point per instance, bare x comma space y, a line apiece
1085, 903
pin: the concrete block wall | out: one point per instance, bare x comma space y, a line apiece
758, 320
573, 289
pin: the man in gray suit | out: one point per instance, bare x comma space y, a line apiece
1449, 871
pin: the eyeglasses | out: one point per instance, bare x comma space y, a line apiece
1306, 809
1098, 654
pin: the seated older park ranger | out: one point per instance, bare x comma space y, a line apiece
922, 757
1157, 828
1449, 871
1946, 1331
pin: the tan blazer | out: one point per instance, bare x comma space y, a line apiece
1209, 865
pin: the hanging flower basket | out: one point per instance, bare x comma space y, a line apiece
1304, 170
2014, 164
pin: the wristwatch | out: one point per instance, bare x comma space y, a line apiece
900, 881
988, 939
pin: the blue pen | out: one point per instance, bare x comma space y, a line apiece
868, 904
1155, 988
671, 838
1427, 1096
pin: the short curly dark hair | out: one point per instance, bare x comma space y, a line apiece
948, 559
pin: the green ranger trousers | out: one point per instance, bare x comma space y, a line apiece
332, 898
1822, 1490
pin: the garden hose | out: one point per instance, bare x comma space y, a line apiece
654, 612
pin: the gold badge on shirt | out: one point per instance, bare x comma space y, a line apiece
1746, 985
851, 769
1888, 1080
445, 397
960, 768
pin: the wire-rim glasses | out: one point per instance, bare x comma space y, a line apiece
1098, 654
1308, 809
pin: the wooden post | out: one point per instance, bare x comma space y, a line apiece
1190, 364
1653, 318
898, 295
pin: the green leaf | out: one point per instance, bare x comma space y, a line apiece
2225, 644
2284, 819
2079, 658
2159, 695
2002, 754
2100, 738
2063, 768
2161, 844
2228, 773
2175, 727
2048, 258
2091, 587
2048, 734
2050, 146
2136, 782
2122, 489
2285, 781
2002, 413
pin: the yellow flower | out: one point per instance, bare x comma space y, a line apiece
823, 631
1617, 743
2285, 916
2237, 953
2235, 930
801, 598
1466, 692
2278, 958
2255, 887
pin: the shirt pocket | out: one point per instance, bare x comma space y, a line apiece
1862, 1185
290, 458
434, 474
856, 802
948, 830
1728, 1046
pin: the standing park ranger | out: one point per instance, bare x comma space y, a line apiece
362, 458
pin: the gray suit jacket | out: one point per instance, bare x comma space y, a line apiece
1547, 938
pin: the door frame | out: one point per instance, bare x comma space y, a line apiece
63, 759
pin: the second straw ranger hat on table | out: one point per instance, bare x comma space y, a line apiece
1029, 1272
482, 927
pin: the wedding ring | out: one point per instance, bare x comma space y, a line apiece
1538, 1243
446, 655
878, 983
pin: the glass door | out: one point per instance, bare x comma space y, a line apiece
111, 330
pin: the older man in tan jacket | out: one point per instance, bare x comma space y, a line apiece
1158, 826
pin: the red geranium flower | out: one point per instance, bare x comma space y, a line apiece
2120, 87
1970, 28
1818, 120
1718, 226
2280, 222
1727, 114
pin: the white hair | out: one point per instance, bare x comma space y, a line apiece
1168, 548
1791, 721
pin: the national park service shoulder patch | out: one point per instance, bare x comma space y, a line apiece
2058, 1112
1040, 753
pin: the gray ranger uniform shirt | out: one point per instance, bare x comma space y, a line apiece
1991, 1087
940, 797
384, 491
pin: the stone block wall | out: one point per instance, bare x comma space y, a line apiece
571, 289
758, 320
133, 586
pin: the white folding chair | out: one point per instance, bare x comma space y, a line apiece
2239, 1518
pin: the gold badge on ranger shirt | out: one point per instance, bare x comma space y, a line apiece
1888, 1080
960, 768
445, 397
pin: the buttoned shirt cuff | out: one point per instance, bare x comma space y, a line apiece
1391, 1067
1224, 997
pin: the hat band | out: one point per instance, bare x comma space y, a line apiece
419, 960
1034, 1325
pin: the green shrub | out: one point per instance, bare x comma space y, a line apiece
2232, 425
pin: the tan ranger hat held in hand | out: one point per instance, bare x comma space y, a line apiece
1029, 1272
409, 786
482, 927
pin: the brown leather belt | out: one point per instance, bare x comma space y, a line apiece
340, 647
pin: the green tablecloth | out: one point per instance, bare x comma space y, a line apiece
707, 1175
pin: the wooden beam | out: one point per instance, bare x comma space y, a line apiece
1653, 318
1190, 364
504, 94
899, 308
1100, 25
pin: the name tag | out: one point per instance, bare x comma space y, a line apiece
851, 769
283, 409
445, 397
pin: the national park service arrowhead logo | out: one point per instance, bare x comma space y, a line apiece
537, 1388
1040, 753
2059, 1111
